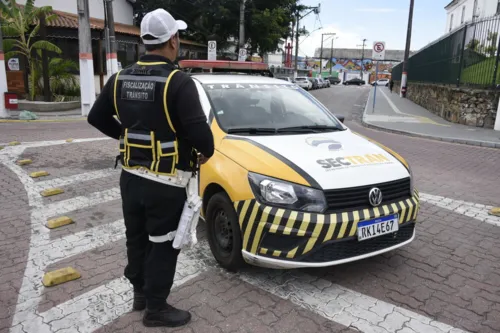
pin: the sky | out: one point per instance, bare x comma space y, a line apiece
375, 20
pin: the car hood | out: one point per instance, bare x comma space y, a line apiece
327, 160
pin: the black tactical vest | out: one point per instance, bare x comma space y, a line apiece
148, 137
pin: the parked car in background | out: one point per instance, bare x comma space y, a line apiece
333, 80
326, 82
314, 82
381, 82
303, 82
285, 78
322, 82
356, 81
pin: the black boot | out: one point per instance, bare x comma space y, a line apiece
167, 316
139, 301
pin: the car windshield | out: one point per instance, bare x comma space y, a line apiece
267, 106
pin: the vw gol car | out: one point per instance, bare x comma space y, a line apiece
290, 186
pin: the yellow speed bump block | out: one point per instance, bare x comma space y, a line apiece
24, 162
59, 222
52, 191
1, 147
60, 276
495, 211
38, 174
69, 140
14, 143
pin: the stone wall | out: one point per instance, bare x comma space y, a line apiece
465, 106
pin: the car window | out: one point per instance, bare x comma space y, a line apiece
300, 79
205, 103
267, 106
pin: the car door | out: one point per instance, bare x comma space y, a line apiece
207, 109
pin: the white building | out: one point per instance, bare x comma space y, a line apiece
459, 12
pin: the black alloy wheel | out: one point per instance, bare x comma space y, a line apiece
224, 234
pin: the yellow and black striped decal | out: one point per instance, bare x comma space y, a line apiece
256, 220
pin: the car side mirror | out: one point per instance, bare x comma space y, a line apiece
341, 118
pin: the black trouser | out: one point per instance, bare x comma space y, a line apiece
150, 209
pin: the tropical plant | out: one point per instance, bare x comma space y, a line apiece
62, 81
22, 25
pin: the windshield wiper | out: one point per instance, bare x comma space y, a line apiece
309, 128
252, 130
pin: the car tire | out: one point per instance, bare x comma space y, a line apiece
223, 232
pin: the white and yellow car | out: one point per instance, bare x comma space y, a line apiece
290, 186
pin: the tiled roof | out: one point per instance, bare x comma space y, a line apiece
70, 21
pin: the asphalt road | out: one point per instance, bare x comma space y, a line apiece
447, 280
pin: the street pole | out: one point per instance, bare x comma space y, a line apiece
3, 80
404, 77
111, 57
362, 58
321, 56
87, 85
375, 88
331, 56
295, 73
242, 24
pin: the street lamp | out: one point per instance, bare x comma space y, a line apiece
362, 57
321, 52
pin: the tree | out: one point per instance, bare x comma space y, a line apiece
23, 23
266, 21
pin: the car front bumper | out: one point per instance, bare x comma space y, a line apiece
280, 238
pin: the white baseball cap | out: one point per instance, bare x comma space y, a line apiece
161, 25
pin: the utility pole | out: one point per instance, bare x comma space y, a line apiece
295, 72
111, 57
362, 57
321, 56
404, 77
3, 80
87, 85
316, 10
242, 24
331, 54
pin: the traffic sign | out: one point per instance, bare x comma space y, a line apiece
212, 50
242, 55
378, 51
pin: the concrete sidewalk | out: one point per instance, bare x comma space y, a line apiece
399, 115
57, 116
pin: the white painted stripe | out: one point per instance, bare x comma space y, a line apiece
109, 302
81, 202
32, 144
82, 177
470, 209
80, 242
342, 305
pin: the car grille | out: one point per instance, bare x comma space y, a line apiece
353, 198
338, 250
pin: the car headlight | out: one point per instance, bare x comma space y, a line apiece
275, 192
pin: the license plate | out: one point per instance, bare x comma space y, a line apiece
377, 227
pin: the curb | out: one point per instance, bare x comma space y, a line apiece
477, 143
61, 120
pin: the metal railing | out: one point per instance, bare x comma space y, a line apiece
467, 56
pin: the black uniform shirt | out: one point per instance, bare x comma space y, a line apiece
183, 104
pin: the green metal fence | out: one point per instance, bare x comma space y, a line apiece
468, 56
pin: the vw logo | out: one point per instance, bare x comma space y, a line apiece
375, 196
332, 144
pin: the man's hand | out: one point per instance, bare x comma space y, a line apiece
202, 159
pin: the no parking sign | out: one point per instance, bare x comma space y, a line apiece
378, 51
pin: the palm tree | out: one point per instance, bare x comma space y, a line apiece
61, 78
18, 22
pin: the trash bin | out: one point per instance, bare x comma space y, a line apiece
11, 101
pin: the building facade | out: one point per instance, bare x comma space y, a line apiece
63, 32
459, 12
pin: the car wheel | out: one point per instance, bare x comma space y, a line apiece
223, 231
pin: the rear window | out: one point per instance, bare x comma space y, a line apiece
300, 79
